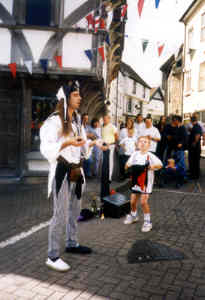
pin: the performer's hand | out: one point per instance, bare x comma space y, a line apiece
104, 148
77, 142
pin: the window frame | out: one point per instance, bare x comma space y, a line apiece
200, 89
129, 105
202, 27
134, 88
188, 81
190, 41
19, 13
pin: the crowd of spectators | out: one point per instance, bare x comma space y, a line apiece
170, 139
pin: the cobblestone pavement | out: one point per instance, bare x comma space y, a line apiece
178, 222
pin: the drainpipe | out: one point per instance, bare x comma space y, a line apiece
183, 73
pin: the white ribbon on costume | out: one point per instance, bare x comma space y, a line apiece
61, 95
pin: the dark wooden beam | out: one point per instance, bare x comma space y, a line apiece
81, 12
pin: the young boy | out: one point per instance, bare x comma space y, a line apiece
143, 164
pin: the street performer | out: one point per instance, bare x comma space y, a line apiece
64, 144
143, 164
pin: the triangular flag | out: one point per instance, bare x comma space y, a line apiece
97, 23
29, 65
107, 39
89, 54
44, 64
140, 6
124, 10
58, 59
157, 3
144, 45
101, 51
102, 23
12, 67
90, 20
160, 49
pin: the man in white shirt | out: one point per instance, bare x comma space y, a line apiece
153, 134
64, 144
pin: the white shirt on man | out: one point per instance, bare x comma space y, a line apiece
139, 127
129, 145
153, 132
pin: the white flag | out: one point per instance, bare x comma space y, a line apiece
29, 65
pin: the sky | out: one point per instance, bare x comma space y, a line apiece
157, 25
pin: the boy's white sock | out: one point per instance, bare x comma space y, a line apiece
134, 213
147, 218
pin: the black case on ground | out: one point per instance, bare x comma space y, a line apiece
116, 206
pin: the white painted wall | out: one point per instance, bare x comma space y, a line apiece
37, 40
194, 99
71, 6
74, 46
8, 4
5, 48
155, 108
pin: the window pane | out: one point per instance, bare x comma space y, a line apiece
203, 20
38, 12
202, 77
203, 34
188, 81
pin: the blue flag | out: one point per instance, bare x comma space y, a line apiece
157, 3
89, 54
107, 39
44, 64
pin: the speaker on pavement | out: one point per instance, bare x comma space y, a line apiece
116, 205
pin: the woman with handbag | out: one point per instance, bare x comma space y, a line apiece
64, 144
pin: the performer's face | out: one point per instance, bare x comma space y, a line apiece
143, 144
75, 100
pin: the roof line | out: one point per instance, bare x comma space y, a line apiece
187, 11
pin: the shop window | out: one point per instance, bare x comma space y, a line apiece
38, 12
42, 107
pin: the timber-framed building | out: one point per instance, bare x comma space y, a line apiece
33, 33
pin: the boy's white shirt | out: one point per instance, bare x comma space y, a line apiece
138, 158
51, 142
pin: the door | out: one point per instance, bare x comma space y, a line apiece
9, 133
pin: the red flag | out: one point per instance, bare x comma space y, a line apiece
124, 9
12, 67
102, 23
101, 52
160, 49
90, 20
140, 6
58, 59
97, 23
